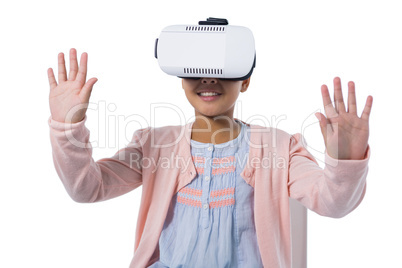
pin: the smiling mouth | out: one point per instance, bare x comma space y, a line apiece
208, 94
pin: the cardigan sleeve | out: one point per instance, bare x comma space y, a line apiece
334, 191
87, 180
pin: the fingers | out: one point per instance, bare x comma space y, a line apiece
87, 89
352, 107
73, 64
367, 108
62, 74
328, 107
352, 98
338, 97
82, 72
52, 79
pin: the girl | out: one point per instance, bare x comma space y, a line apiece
215, 192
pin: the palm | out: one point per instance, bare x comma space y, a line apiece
345, 134
68, 99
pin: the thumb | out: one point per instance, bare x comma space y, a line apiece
323, 125
87, 88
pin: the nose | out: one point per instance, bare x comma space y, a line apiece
206, 80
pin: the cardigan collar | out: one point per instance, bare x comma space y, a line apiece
188, 173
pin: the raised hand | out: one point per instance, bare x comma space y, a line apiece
345, 133
69, 98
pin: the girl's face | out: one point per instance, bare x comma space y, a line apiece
211, 106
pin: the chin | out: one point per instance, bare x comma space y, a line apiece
210, 114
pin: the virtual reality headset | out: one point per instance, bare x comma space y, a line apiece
210, 49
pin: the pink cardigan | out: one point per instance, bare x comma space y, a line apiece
278, 167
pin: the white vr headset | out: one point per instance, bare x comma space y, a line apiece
210, 49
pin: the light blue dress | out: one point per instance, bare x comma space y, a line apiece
210, 222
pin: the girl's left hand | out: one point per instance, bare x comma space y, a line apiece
345, 133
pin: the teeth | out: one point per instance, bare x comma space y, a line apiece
208, 93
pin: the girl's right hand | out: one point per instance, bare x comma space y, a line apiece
69, 98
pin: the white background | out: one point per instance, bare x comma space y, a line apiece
300, 46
